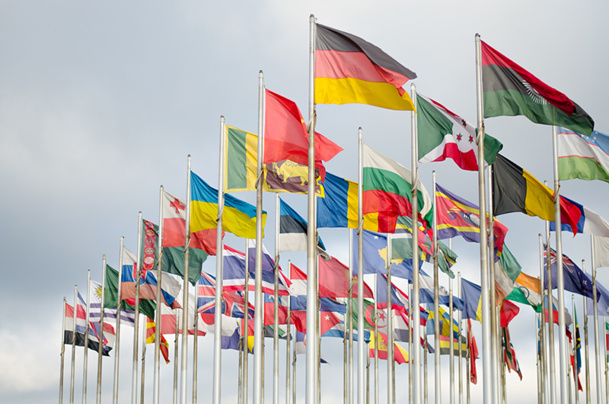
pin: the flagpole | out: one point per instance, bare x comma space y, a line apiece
312, 332
175, 362
410, 331
73, 364
391, 347
246, 295
575, 363
467, 368
219, 274
416, 380
186, 280
376, 342
159, 299
425, 379
487, 383
195, 346
350, 323
276, 307
287, 343
560, 282
451, 343
86, 350
143, 377
496, 385
118, 324
586, 354
606, 362
101, 330
436, 303
360, 277
544, 348
63, 349
597, 349
539, 361
345, 352
240, 378
459, 319
136, 324
550, 303
294, 374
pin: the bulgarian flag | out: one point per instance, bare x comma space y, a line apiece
443, 134
510, 90
387, 187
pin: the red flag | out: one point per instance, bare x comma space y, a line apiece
334, 280
507, 312
473, 353
150, 338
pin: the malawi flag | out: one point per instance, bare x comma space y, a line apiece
387, 187
443, 134
350, 70
510, 90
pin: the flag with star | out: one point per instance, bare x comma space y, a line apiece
443, 134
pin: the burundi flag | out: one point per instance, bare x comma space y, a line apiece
350, 70
443, 134
387, 190
510, 90
238, 217
583, 157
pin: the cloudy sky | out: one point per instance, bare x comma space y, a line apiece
101, 103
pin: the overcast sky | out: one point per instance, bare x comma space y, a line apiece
101, 103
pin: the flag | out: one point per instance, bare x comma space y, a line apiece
470, 293
387, 190
300, 346
331, 312
238, 217
515, 190
589, 222
399, 354
575, 279
473, 353
578, 346
526, 290
351, 70
269, 311
339, 206
445, 345
399, 299
234, 274
334, 280
607, 339
443, 134
507, 312
293, 231
72, 330
509, 354
240, 160
426, 288
150, 338
456, 216
445, 328
510, 90
583, 157
601, 251
602, 295
148, 287
174, 225
375, 255
147, 306
507, 270
95, 302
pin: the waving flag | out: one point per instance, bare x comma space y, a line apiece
293, 231
470, 293
583, 157
77, 330
150, 339
426, 289
510, 90
400, 354
589, 222
575, 279
111, 299
350, 70
334, 280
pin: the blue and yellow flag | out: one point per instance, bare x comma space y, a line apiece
470, 293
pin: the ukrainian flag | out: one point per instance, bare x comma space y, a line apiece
238, 217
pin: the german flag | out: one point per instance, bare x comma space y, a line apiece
350, 70
510, 90
516, 190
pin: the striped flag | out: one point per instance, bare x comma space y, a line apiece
583, 157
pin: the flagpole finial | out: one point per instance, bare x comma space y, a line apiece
412, 87
188, 156
477, 35
260, 73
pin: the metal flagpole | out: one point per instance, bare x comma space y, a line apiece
63, 349
143, 377
410, 331
368, 374
312, 332
245, 338
468, 370
287, 344
560, 281
586, 354
451, 344
294, 375
159, 299
86, 351
186, 278
460, 345
606, 362
219, 275
425, 379
543, 339
416, 379
360, 278
195, 347
539, 367
276, 308
597, 349
350, 320
550, 303
73, 364
496, 385
390, 346
101, 330
436, 301
376, 343
487, 382
118, 324
345, 352
175, 362
136, 324
240, 378
575, 363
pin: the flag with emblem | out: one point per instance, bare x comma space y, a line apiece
575, 279
583, 157
400, 354
150, 338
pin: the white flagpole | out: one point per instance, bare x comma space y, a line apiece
376, 342
468, 370
451, 344
605, 360
436, 303
73, 364
390, 347
560, 281
63, 349
361, 346
425, 378
586, 354
350, 323
487, 383
312, 292
544, 347
219, 274
240, 378
416, 380
175, 361
159, 299
186, 281
597, 348
259, 317
195, 346
287, 345
143, 377
575, 375
410, 331
118, 324
460, 344
550, 317
101, 331
86, 352
495, 373
276, 307
539, 361
294, 374
246, 295
136, 325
